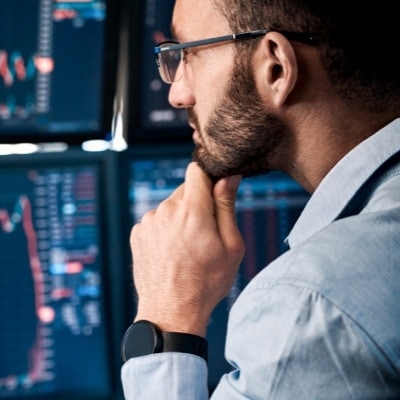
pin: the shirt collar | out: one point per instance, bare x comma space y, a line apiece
341, 183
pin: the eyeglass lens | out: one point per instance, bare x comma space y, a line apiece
169, 63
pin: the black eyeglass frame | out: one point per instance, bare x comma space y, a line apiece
171, 45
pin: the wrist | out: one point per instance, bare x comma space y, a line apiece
171, 323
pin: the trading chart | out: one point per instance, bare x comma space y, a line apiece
50, 280
52, 65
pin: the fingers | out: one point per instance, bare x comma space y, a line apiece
197, 184
187, 251
225, 191
220, 201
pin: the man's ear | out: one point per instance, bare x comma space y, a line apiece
277, 68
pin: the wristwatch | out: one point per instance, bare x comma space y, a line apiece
143, 338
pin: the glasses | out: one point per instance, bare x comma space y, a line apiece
169, 54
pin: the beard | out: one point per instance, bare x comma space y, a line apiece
242, 138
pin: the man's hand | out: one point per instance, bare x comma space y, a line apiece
186, 253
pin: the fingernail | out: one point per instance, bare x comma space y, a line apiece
234, 181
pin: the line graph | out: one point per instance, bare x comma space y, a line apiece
50, 284
37, 357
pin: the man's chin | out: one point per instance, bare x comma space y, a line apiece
212, 170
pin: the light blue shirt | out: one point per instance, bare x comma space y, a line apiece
323, 320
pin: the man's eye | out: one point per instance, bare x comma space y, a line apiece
185, 54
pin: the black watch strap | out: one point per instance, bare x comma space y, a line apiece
184, 343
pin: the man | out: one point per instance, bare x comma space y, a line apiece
310, 88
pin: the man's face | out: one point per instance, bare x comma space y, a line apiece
234, 133
240, 136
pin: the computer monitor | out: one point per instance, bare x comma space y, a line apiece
60, 277
58, 62
151, 118
267, 208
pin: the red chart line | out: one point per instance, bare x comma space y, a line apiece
36, 355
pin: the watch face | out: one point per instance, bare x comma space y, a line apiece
140, 339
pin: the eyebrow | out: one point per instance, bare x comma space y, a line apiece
173, 32
176, 34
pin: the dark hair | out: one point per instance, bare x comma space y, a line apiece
357, 41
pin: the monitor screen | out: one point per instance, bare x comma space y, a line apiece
267, 208
59, 332
152, 118
57, 69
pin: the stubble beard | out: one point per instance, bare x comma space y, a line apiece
241, 137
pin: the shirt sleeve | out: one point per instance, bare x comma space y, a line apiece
165, 376
289, 342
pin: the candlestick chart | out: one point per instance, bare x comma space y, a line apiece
53, 67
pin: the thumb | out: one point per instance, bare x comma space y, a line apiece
225, 191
